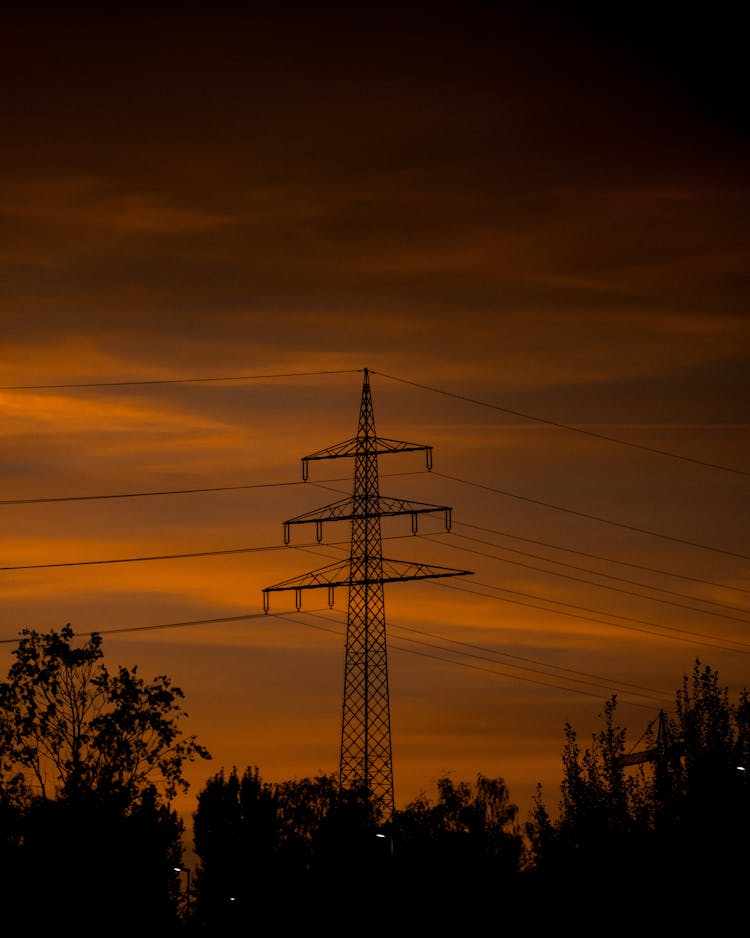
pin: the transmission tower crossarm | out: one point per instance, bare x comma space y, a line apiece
333, 574
378, 445
341, 574
394, 570
347, 509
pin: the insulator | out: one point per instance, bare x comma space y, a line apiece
318, 531
266, 601
330, 597
414, 522
304, 470
286, 532
447, 519
298, 598
428, 458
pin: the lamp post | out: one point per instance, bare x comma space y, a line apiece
186, 870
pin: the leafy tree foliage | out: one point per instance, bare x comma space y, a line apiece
679, 819
466, 824
74, 728
235, 833
701, 804
465, 847
260, 842
89, 762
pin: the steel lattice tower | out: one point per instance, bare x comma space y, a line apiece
366, 757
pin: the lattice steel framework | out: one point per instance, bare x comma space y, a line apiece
366, 757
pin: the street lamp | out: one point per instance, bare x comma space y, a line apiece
389, 843
185, 869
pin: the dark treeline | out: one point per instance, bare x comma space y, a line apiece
91, 760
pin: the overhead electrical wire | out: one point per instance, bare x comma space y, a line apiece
570, 550
568, 427
91, 498
602, 681
425, 387
149, 381
646, 693
639, 690
310, 548
113, 560
150, 628
444, 538
594, 572
480, 485
693, 636
621, 563
567, 576
197, 553
315, 549
583, 514
608, 576
517, 677
195, 491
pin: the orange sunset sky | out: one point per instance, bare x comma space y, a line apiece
530, 222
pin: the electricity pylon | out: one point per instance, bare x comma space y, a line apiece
366, 758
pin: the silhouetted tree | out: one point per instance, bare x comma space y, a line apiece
462, 850
301, 851
675, 826
278, 851
89, 762
603, 816
237, 835
701, 804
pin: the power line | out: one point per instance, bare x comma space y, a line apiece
580, 553
312, 548
265, 485
578, 680
214, 488
87, 498
259, 485
474, 667
343, 371
260, 615
197, 553
622, 563
503, 654
608, 576
164, 625
314, 613
582, 514
556, 667
571, 429
567, 576
118, 384
694, 636
617, 625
